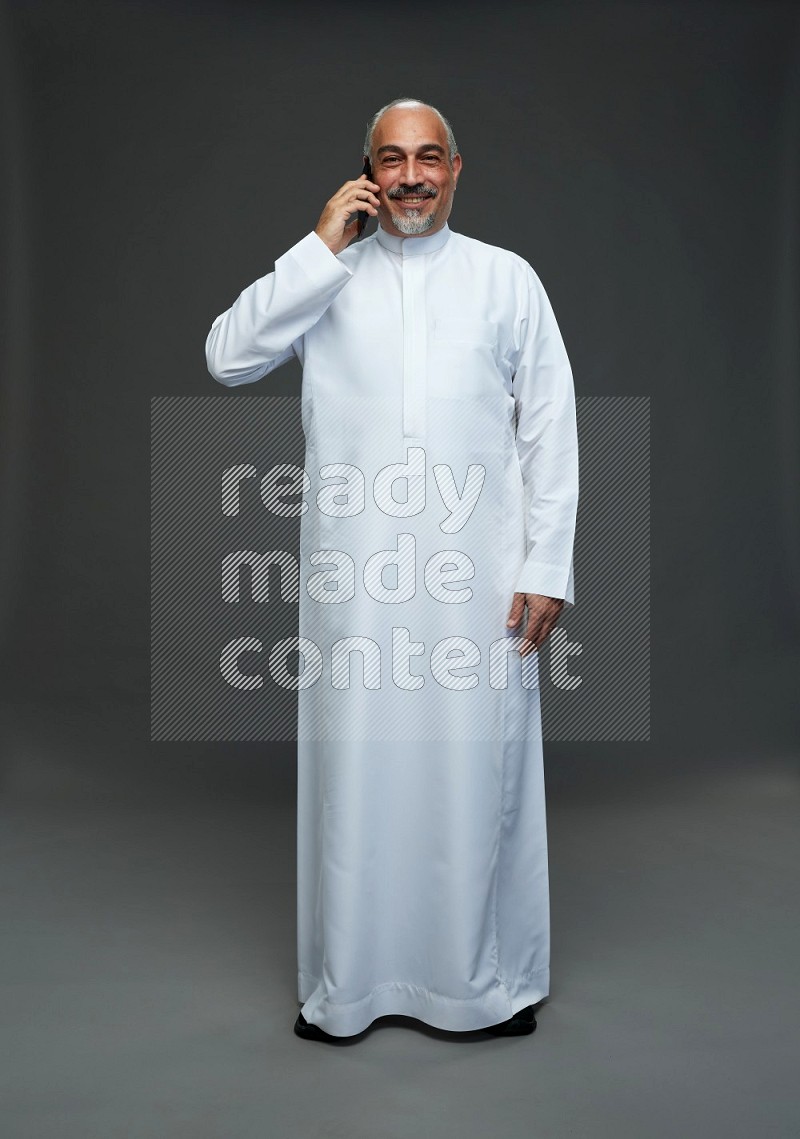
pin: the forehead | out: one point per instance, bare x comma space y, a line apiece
409, 126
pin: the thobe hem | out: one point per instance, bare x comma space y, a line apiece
398, 998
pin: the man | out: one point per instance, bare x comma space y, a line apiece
432, 363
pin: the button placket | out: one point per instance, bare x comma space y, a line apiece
414, 349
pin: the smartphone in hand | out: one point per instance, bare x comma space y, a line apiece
362, 214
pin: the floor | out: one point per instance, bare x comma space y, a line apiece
148, 985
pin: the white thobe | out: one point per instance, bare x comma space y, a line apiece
421, 839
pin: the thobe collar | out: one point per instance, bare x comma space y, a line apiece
413, 246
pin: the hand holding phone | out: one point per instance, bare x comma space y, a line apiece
359, 196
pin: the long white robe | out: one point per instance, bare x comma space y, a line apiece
421, 842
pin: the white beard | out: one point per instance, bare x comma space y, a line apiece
413, 222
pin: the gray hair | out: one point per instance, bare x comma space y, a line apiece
373, 122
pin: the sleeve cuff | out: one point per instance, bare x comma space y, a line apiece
546, 579
322, 267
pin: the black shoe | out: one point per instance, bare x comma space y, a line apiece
314, 1032
522, 1023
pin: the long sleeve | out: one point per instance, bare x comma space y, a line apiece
258, 331
547, 445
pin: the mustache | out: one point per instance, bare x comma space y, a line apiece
421, 191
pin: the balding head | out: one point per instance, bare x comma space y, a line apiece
408, 103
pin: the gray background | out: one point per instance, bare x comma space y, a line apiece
158, 158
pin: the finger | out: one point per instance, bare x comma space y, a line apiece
532, 636
548, 627
362, 183
363, 192
354, 202
357, 204
350, 212
375, 198
516, 610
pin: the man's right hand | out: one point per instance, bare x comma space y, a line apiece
332, 227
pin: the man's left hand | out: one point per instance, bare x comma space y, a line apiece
543, 612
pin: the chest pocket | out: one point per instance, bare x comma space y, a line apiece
466, 359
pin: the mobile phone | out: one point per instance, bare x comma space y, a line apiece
362, 214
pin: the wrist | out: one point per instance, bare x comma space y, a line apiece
324, 240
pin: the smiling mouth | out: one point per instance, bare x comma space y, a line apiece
414, 201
